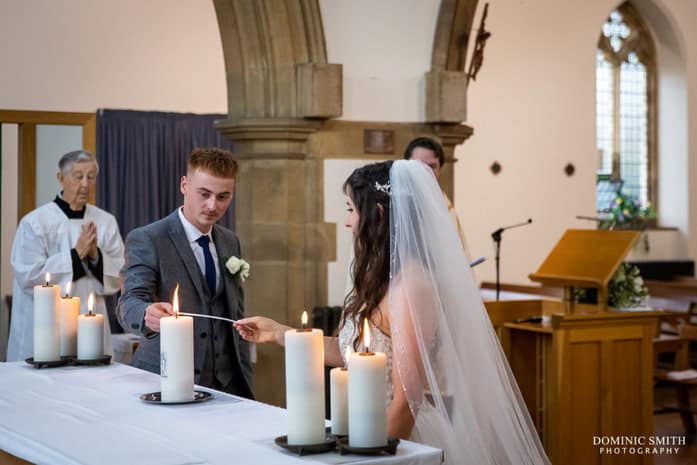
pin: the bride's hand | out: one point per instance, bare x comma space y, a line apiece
259, 329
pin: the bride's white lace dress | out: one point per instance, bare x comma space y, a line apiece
381, 342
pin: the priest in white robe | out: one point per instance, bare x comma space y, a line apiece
75, 242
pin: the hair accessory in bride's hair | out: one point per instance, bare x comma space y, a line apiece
385, 188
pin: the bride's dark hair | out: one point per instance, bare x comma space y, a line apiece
368, 187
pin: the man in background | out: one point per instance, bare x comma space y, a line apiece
431, 153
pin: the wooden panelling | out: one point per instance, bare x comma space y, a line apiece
26, 164
89, 143
585, 370
609, 333
27, 122
45, 117
523, 360
626, 364
582, 375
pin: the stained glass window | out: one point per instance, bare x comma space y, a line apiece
623, 117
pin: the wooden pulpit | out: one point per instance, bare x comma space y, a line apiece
585, 371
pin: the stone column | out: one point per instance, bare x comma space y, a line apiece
279, 222
282, 96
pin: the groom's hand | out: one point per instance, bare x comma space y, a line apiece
154, 312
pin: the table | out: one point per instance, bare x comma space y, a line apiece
490, 295
93, 415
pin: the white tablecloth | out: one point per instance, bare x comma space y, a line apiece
93, 415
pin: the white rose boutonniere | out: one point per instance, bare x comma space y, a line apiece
238, 267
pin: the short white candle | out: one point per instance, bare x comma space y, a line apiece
47, 322
69, 311
338, 395
90, 333
367, 397
305, 385
176, 355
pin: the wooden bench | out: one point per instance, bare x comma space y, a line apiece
680, 346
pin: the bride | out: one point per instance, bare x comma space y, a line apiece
449, 384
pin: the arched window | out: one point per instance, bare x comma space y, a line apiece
625, 106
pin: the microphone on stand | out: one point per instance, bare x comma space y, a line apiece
609, 225
589, 218
497, 236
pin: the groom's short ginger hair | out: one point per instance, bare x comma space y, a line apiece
212, 160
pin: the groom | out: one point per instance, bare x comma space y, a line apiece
189, 249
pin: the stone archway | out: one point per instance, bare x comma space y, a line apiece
282, 96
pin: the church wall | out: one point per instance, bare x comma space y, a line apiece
533, 111
672, 117
385, 48
688, 20
384, 60
532, 107
88, 54
85, 54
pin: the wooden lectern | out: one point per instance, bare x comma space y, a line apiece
585, 258
587, 372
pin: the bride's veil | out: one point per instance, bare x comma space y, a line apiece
456, 378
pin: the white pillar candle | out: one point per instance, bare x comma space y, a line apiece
90, 333
47, 322
338, 391
339, 400
69, 311
177, 356
367, 397
305, 385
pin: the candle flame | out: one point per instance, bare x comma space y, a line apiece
366, 334
175, 301
48, 278
68, 287
90, 303
347, 354
303, 319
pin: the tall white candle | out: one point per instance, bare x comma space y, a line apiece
177, 355
367, 397
338, 394
47, 322
69, 311
305, 385
90, 333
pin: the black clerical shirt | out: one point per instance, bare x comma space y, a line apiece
97, 266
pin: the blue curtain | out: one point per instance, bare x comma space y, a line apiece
142, 157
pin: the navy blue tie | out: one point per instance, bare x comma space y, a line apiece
203, 241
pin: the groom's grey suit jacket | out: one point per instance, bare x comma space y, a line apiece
158, 257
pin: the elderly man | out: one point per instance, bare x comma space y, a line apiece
74, 241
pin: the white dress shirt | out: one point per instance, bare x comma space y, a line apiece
192, 234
